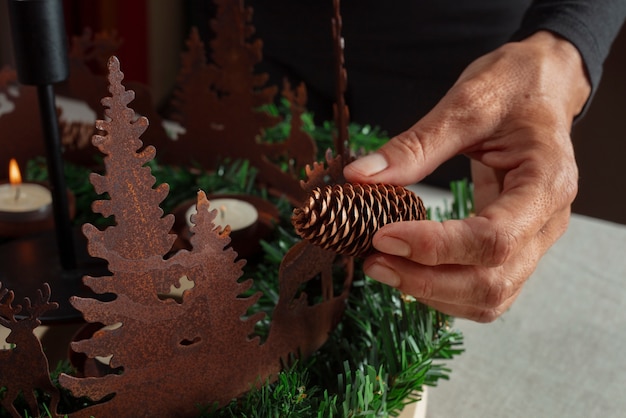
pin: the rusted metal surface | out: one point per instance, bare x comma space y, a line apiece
246, 242
340, 108
219, 104
171, 354
24, 367
175, 354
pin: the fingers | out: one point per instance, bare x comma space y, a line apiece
512, 209
475, 291
472, 292
473, 241
483, 315
402, 160
452, 242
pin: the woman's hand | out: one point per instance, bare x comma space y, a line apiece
511, 112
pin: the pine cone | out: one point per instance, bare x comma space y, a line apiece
344, 218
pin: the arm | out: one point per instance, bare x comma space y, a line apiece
590, 25
511, 112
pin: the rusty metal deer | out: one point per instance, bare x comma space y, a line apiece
24, 367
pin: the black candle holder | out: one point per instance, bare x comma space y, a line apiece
40, 49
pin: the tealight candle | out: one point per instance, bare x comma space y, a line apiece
251, 219
237, 213
20, 202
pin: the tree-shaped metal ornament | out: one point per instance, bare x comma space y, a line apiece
88, 60
169, 356
219, 104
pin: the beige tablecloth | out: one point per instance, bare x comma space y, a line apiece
560, 351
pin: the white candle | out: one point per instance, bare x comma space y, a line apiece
26, 197
237, 213
23, 201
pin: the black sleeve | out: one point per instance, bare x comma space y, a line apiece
590, 25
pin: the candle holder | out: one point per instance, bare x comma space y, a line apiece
22, 224
211, 343
206, 333
245, 241
40, 49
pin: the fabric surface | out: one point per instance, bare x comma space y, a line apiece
415, 50
591, 25
558, 352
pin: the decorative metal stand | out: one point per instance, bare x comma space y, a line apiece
171, 354
174, 355
40, 48
56, 257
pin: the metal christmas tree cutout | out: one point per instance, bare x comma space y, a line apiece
175, 355
219, 103
170, 355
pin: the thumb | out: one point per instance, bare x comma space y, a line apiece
415, 153
405, 159
471, 111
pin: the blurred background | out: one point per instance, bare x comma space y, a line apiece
153, 34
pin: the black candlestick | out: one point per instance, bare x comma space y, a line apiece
40, 48
39, 41
63, 225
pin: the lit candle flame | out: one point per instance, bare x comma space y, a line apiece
15, 177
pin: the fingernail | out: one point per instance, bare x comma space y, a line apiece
393, 246
383, 274
370, 164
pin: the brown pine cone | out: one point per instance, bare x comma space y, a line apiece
344, 218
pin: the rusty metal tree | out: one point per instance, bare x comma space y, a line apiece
174, 354
219, 103
299, 149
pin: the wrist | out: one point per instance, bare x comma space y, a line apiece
570, 66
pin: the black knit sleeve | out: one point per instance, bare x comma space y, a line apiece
590, 25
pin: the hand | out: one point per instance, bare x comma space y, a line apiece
511, 112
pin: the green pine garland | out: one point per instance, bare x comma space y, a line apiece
387, 346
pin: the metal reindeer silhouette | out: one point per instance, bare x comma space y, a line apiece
25, 367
